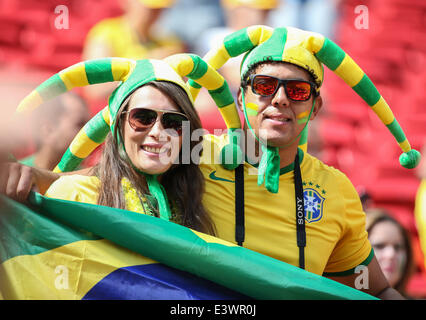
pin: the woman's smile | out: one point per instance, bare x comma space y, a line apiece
152, 150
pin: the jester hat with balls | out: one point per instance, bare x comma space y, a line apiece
132, 74
309, 51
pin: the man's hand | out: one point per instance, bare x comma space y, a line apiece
17, 180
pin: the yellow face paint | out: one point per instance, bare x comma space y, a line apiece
251, 109
303, 117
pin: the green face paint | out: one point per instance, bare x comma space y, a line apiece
252, 109
303, 117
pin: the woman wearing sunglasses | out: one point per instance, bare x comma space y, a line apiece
143, 126
147, 140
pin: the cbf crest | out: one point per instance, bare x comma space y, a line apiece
313, 205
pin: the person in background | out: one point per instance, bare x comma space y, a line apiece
190, 18
314, 15
134, 35
367, 200
392, 247
54, 126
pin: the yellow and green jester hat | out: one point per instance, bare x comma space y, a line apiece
309, 51
132, 74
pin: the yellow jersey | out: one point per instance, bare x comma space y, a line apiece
75, 188
86, 189
123, 42
336, 239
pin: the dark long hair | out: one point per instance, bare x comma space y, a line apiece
184, 183
375, 216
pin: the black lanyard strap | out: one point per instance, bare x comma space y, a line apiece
239, 204
300, 212
300, 209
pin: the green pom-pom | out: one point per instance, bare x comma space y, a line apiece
410, 159
231, 156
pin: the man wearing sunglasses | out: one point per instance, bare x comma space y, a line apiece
290, 205
285, 98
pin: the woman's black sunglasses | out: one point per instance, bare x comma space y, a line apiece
141, 119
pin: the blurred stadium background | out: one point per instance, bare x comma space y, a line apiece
392, 51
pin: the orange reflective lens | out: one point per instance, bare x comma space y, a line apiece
297, 90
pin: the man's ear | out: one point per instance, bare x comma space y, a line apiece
317, 107
240, 99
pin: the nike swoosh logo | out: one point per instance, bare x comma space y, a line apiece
214, 177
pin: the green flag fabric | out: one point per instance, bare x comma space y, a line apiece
56, 249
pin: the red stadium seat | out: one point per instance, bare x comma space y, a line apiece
416, 287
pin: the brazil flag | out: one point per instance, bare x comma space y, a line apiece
56, 249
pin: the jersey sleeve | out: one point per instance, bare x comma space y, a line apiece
75, 188
353, 248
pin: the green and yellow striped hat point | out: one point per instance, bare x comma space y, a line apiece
132, 75
310, 51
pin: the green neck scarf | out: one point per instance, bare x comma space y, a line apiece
154, 187
157, 190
